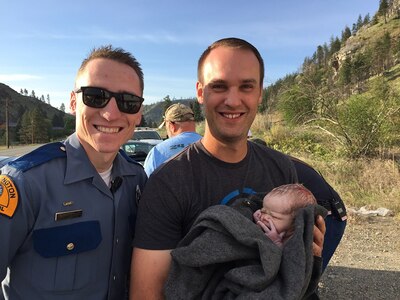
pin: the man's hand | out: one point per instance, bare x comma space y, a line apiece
319, 232
272, 233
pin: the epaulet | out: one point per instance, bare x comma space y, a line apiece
129, 159
39, 156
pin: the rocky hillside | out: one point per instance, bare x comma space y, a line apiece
369, 35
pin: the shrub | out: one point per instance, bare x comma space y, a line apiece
295, 105
369, 121
297, 141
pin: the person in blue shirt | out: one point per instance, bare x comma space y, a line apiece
181, 130
68, 209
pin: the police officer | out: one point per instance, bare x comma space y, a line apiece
67, 210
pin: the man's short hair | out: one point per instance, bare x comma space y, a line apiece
230, 42
115, 54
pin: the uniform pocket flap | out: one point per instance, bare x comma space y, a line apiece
68, 239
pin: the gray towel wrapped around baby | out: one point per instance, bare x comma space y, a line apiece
226, 255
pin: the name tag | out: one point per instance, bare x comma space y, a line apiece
68, 215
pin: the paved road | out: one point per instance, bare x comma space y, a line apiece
17, 150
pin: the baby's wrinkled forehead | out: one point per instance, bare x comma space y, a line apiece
277, 203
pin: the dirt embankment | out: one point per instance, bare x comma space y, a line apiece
366, 264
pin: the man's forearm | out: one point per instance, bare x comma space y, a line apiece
149, 271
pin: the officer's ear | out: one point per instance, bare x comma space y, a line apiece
72, 103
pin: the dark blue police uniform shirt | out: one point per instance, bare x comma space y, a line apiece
70, 236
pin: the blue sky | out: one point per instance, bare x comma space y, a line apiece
43, 42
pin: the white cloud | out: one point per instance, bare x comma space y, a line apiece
18, 77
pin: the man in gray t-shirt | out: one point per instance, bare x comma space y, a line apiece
220, 167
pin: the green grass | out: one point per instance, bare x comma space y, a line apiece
365, 181
372, 182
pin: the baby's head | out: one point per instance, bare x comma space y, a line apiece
281, 204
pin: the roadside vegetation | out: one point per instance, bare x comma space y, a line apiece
341, 112
371, 181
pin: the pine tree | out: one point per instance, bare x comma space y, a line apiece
326, 53
58, 120
143, 122
167, 103
346, 33
383, 9
320, 56
198, 115
334, 45
359, 22
34, 127
367, 19
69, 124
382, 53
361, 66
386, 47
345, 72
62, 107
354, 29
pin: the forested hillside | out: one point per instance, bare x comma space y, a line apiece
30, 120
153, 113
348, 89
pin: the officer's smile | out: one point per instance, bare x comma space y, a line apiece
108, 129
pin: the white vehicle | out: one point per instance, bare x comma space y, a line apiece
146, 134
138, 149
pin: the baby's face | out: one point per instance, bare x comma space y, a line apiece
277, 210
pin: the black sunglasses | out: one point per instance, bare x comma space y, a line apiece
98, 98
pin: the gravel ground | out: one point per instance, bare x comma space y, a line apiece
366, 264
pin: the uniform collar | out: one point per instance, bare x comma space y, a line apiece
80, 168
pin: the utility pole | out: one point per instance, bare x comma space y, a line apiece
7, 126
32, 129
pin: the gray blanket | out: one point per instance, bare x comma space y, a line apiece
226, 255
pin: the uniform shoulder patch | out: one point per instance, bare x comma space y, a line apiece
8, 196
39, 156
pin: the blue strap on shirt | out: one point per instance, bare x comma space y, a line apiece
39, 156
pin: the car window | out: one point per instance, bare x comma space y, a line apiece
132, 148
146, 135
